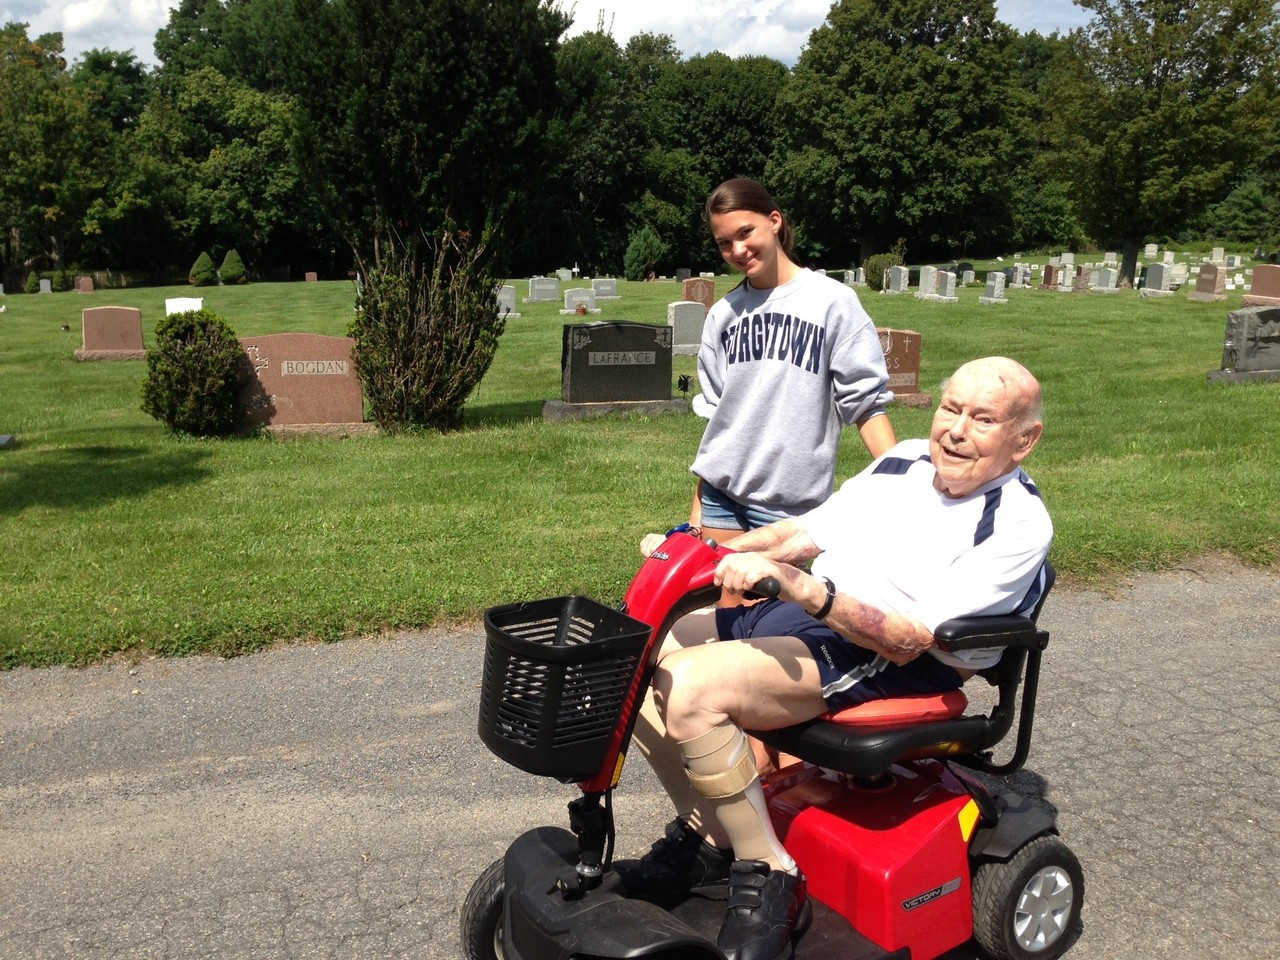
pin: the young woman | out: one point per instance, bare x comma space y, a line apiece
788, 358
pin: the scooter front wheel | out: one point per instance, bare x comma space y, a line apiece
482, 915
1028, 907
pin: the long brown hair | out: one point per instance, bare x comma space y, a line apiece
742, 193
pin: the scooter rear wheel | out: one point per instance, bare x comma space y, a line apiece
1028, 907
482, 915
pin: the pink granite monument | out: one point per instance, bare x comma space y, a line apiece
111, 333
302, 379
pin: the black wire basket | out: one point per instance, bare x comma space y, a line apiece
556, 677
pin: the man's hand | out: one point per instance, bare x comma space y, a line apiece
650, 543
740, 572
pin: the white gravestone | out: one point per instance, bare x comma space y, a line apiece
686, 318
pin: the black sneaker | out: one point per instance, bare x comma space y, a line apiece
767, 910
674, 865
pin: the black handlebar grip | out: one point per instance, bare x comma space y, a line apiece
768, 587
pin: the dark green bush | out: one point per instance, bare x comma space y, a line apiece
203, 273
33, 282
876, 265
60, 282
232, 270
426, 329
643, 253
194, 375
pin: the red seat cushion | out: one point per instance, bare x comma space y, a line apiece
901, 711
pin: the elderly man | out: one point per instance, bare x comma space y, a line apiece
932, 530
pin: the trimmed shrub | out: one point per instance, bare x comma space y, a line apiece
426, 329
203, 273
232, 270
875, 267
643, 253
194, 375
60, 282
33, 282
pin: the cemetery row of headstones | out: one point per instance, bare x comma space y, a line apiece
309, 379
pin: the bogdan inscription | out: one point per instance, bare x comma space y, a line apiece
313, 368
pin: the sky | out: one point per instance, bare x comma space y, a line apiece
774, 28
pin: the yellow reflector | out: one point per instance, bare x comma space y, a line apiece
968, 820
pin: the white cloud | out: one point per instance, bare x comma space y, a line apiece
85, 17
774, 28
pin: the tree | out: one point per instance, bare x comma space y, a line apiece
579, 207
53, 141
117, 84
643, 252
1164, 103
422, 113
711, 117
898, 124
426, 329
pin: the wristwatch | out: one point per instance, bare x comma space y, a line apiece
831, 598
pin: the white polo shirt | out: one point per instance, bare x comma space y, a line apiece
893, 541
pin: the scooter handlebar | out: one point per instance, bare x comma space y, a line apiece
767, 587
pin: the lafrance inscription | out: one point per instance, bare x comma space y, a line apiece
622, 358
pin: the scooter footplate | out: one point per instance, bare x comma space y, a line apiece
540, 923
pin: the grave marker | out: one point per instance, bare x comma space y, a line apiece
1250, 346
1050, 281
946, 290
581, 300
1157, 285
902, 359
182, 305
896, 279
1211, 283
1107, 280
606, 288
507, 302
994, 293
301, 379
614, 367
700, 289
686, 319
1264, 291
928, 287
543, 289
111, 333
46, 285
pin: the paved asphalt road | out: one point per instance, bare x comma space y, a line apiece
335, 802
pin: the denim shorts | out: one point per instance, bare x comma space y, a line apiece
721, 512
850, 674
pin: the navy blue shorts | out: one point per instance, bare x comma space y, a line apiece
850, 674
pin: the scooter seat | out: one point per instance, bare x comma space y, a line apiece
901, 711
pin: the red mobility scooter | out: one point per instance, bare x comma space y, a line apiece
907, 854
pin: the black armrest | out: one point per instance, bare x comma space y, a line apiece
966, 633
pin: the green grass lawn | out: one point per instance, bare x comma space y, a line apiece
120, 537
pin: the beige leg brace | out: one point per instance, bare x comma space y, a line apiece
664, 756
722, 768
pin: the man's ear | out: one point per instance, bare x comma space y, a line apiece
1027, 440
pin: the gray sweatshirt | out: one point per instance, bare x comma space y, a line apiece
782, 371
